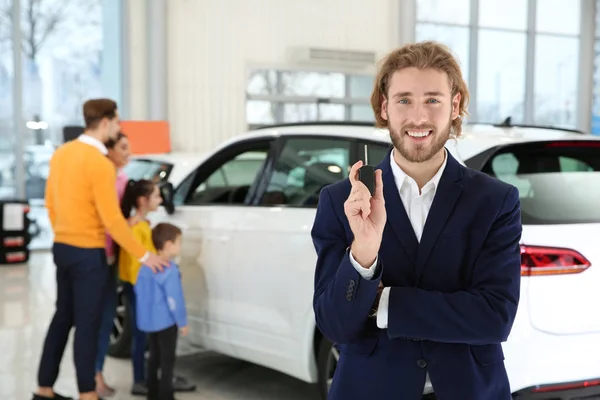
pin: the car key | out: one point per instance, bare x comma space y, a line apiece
366, 174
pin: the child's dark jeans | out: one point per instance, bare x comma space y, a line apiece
162, 356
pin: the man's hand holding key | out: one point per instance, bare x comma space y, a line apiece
367, 217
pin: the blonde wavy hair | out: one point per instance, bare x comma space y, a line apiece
422, 55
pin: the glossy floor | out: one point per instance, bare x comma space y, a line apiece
27, 294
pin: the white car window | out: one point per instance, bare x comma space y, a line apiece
377, 152
230, 182
304, 167
156, 171
558, 182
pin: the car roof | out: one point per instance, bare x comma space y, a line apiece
475, 139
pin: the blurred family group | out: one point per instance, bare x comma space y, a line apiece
102, 238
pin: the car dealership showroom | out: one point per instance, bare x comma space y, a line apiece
294, 200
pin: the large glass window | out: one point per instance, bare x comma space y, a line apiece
446, 22
62, 55
502, 28
455, 37
447, 12
503, 14
304, 83
501, 76
7, 130
556, 80
558, 16
277, 96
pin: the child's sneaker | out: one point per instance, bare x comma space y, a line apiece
139, 389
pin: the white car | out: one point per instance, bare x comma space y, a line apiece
248, 259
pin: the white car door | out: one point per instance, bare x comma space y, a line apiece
273, 255
208, 206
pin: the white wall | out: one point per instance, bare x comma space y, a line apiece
137, 57
213, 45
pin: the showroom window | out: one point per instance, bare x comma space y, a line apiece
447, 22
280, 96
494, 37
63, 64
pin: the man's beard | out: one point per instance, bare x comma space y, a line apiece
419, 152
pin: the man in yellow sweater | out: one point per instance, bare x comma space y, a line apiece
82, 204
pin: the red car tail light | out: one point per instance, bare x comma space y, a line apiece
566, 386
538, 260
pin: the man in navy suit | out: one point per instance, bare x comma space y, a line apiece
418, 284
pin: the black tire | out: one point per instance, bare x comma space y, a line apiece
327, 357
120, 337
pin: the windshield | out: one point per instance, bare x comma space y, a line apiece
558, 182
154, 170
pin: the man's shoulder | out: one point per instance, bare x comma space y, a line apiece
90, 154
486, 189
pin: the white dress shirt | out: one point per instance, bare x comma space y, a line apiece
417, 204
92, 141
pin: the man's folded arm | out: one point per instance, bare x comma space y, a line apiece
343, 299
481, 315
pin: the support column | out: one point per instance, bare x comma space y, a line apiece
17, 86
125, 52
586, 66
407, 17
157, 59
473, 59
112, 57
530, 64
135, 90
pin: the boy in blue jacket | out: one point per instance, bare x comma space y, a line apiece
161, 311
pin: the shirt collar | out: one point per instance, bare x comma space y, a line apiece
92, 141
400, 176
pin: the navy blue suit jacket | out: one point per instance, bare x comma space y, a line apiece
453, 296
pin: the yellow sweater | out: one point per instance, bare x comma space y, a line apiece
129, 266
82, 202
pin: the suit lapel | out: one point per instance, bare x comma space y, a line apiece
446, 196
397, 219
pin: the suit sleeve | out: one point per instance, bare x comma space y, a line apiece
343, 299
174, 295
485, 313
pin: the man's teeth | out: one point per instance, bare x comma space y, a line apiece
418, 133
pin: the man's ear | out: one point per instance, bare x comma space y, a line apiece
384, 106
456, 105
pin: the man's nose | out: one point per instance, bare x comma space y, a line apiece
419, 115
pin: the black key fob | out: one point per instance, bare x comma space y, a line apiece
366, 174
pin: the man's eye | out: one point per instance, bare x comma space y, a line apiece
433, 101
403, 101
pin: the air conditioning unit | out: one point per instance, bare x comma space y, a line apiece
332, 57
